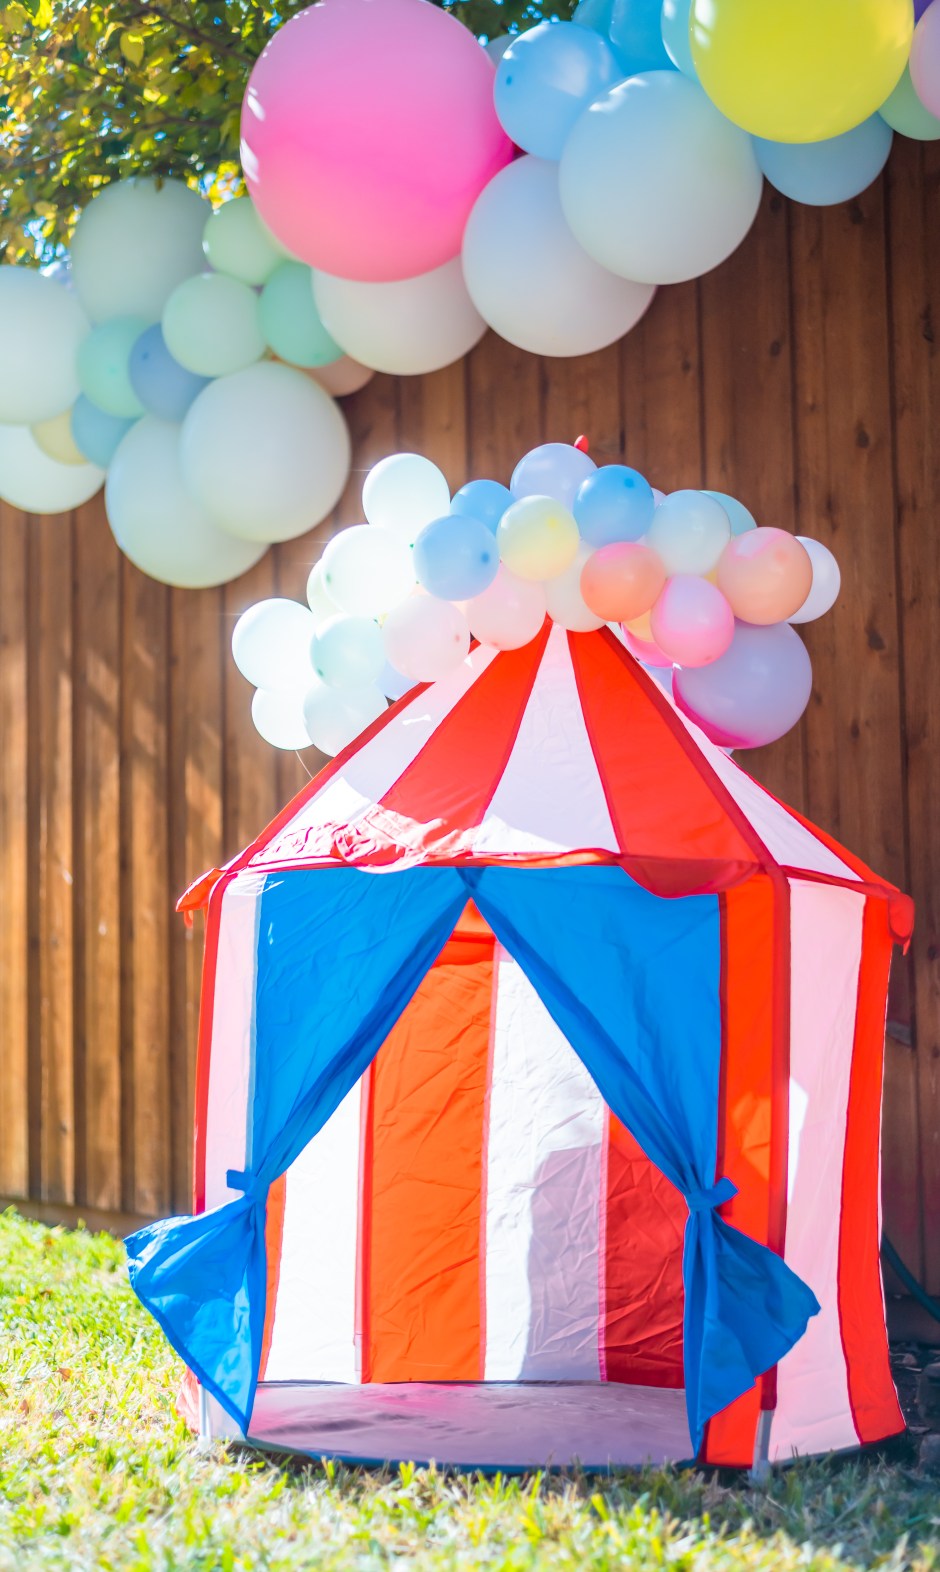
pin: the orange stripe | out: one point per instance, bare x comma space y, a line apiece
273, 1241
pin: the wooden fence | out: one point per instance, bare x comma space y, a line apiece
803, 376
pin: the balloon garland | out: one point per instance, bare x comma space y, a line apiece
700, 593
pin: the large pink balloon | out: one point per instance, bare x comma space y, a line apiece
368, 132
753, 693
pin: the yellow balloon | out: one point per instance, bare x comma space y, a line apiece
537, 538
54, 438
800, 70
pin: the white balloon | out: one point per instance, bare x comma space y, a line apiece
41, 328
496, 47
655, 183
425, 638
36, 483
528, 277
279, 719
334, 720
320, 602
827, 581
404, 492
265, 452
134, 243
564, 601
237, 243
509, 613
367, 570
158, 524
555, 469
407, 328
689, 532
347, 652
271, 645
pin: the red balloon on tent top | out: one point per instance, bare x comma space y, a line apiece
368, 132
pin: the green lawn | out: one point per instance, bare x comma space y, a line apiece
96, 1471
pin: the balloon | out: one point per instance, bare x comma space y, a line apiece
392, 683
676, 40
367, 570
342, 377
347, 652
925, 59
368, 131
636, 36
265, 452
455, 558
691, 621
104, 365
333, 720
289, 320
54, 438
827, 581
135, 241
509, 613
96, 434
564, 601
496, 47
237, 243
211, 325
36, 483
556, 469
660, 496
689, 532
160, 383
824, 173
403, 493
802, 70
544, 80
753, 693
621, 581
739, 517
766, 575
42, 326
158, 524
615, 503
537, 538
406, 328
280, 719
905, 113
527, 275
646, 650
321, 603
271, 645
485, 500
425, 638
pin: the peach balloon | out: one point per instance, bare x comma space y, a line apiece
765, 575
621, 581
342, 377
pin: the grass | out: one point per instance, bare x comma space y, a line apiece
97, 1471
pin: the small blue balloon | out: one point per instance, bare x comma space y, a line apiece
164, 387
485, 500
741, 518
636, 37
545, 79
676, 40
95, 433
824, 173
392, 683
455, 558
615, 503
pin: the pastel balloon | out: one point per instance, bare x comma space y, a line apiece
95, 433
320, 601
655, 184
134, 242
496, 47
279, 719
403, 493
765, 575
691, 621
800, 71
564, 600
636, 36
753, 693
266, 452
211, 325
621, 581
341, 377
925, 59
905, 113
676, 40
157, 522
36, 483
615, 503
827, 581
237, 243
104, 365
333, 720
290, 321
425, 638
406, 328
646, 650
54, 438
42, 327
824, 173
509, 613
160, 383
455, 557
545, 78
689, 531
392, 683
556, 469
527, 275
271, 645
537, 538
347, 652
485, 500
739, 517
366, 570
368, 131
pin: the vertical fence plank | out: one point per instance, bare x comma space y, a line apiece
15, 952
662, 391
504, 409
581, 397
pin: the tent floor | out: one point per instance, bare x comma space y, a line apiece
511, 1425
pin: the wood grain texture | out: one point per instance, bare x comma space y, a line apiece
15, 951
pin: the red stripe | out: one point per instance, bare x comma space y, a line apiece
780, 1103
361, 1332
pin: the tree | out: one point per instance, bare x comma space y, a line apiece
92, 92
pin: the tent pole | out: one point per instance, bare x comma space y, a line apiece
760, 1468
204, 1442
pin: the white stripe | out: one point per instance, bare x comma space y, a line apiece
232, 1041
813, 1411
543, 1194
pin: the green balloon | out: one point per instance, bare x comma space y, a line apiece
237, 243
290, 321
102, 362
905, 113
211, 325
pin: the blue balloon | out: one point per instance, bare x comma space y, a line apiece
95, 433
485, 500
636, 36
676, 40
392, 683
455, 558
164, 387
615, 503
740, 517
545, 79
823, 173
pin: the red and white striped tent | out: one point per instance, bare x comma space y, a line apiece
472, 1258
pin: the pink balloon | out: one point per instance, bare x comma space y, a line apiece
648, 653
692, 621
368, 132
753, 693
925, 59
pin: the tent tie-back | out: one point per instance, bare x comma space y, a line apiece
251, 1185
706, 1200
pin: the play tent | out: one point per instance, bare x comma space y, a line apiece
538, 1102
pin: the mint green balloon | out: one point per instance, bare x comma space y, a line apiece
211, 325
103, 360
905, 113
237, 243
290, 321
